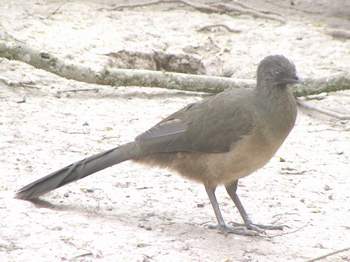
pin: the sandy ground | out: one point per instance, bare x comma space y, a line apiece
132, 213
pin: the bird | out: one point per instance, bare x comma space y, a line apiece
215, 141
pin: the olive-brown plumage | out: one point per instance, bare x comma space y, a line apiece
215, 141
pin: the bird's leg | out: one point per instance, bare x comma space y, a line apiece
232, 191
221, 223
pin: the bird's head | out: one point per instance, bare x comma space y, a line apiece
276, 70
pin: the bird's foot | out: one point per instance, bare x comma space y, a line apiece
238, 230
259, 227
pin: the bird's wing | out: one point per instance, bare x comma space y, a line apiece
210, 126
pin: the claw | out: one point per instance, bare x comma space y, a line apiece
259, 227
241, 230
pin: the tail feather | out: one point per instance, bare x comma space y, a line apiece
78, 170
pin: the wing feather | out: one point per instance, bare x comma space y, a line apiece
212, 125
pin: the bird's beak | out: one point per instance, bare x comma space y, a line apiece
293, 80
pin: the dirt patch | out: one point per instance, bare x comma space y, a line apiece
133, 213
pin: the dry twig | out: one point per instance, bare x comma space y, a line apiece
81, 256
329, 254
209, 27
322, 111
10, 83
198, 7
289, 232
227, 8
239, 8
57, 9
79, 90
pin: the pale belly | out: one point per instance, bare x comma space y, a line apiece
212, 169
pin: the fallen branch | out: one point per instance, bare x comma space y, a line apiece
317, 97
14, 49
332, 83
330, 254
322, 111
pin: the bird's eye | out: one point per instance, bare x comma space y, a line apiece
276, 72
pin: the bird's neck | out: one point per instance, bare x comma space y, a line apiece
279, 108
275, 97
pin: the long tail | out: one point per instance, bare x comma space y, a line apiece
78, 170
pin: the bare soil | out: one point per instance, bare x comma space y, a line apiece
132, 213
